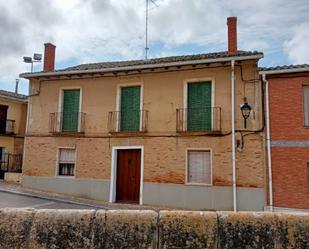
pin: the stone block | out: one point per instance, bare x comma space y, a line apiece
15, 226
187, 230
131, 229
53, 229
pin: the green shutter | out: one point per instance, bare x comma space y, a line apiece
130, 108
199, 106
70, 110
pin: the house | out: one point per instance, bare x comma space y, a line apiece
13, 113
165, 131
288, 136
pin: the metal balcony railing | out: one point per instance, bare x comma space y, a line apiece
67, 122
8, 128
134, 121
207, 119
10, 163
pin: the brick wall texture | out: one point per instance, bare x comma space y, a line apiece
164, 158
290, 180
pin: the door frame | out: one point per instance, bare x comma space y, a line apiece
112, 192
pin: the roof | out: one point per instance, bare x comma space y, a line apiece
285, 69
116, 66
13, 96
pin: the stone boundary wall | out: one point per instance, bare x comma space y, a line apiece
123, 229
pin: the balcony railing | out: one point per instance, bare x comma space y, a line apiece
10, 163
8, 128
133, 121
67, 122
207, 119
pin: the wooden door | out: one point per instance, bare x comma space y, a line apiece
3, 117
128, 175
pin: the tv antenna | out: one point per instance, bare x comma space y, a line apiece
147, 10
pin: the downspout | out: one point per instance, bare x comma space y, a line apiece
233, 136
270, 184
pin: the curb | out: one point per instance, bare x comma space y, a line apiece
52, 199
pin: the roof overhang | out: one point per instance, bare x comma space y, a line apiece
284, 71
142, 67
11, 98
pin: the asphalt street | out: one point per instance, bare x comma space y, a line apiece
10, 200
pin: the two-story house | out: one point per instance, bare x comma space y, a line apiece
165, 131
288, 136
13, 113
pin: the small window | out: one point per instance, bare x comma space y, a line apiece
308, 175
306, 105
199, 167
66, 165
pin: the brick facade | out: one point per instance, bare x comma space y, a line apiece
289, 137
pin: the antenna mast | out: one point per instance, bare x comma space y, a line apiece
146, 47
147, 10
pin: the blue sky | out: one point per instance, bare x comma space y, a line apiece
86, 31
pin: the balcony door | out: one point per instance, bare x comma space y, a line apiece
199, 106
3, 118
70, 110
130, 108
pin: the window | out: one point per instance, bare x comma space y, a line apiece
308, 175
199, 106
306, 105
70, 110
130, 108
66, 165
3, 118
199, 167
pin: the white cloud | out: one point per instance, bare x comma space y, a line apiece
297, 47
97, 30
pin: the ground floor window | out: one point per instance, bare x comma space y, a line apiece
66, 165
308, 175
199, 167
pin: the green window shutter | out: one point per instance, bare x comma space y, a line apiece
70, 110
199, 106
130, 108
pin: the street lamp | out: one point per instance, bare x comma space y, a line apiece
36, 58
245, 111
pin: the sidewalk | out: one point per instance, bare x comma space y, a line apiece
19, 190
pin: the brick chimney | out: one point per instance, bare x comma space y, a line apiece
49, 57
232, 34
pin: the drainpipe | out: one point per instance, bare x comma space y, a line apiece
270, 184
233, 135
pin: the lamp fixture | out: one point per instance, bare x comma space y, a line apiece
245, 111
36, 58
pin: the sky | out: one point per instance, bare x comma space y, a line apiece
87, 31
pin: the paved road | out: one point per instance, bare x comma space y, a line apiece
10, 200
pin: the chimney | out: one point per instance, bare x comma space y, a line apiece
232, 34
16, 86
49, 57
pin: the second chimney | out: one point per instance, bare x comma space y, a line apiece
49, 57
232, 34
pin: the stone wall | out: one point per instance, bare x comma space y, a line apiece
28, 228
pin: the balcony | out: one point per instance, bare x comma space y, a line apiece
199, 120
66, 123
10, 163
8, 127
135, 121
